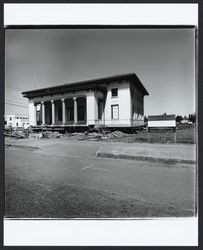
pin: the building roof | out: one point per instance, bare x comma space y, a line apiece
94, 84
161, 117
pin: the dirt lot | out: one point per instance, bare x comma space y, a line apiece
157, 136
180, 136
183, 134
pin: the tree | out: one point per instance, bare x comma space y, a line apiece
179, 118
192, 118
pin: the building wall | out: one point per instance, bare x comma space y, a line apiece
17, 121
168, 123
123, 102
137, 104
91, 107
10, 119
32, 116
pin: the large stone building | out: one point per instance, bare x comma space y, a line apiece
116, 101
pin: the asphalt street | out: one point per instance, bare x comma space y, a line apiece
75, 164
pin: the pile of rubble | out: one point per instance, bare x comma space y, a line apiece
48, 134
45, 135
104, 135
95, 135
17, 133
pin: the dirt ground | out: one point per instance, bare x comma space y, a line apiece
185, 136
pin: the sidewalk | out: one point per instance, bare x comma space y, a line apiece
152, 152
170, 153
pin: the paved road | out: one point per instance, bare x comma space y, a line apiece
74, 164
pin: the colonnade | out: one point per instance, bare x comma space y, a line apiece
53, 122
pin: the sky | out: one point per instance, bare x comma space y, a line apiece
163, 59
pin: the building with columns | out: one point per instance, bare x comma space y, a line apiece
116, 101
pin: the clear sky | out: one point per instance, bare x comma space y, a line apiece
163, 59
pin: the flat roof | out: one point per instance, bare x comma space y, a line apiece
161, 117
87, 84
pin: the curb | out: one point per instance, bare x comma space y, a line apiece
21, 146
144, 158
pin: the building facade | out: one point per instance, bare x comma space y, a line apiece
116, 101
17, 121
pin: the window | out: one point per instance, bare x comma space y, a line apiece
114, 111
114, 92
70, 113
81, 112
38, 107
100, 108
59, 114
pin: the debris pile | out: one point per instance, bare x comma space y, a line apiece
96, 135
48, 134
118, 134
103, 135
17, 133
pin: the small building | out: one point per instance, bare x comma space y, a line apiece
116, 101
161, 121
17, 121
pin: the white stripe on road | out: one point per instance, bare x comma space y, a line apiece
103, 169
89, 166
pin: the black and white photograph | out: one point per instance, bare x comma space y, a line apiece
100, 123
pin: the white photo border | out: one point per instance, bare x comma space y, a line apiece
140, 232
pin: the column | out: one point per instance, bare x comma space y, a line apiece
43, 113
53, 112
63, 111
91, 108
32, 113
75, 110
35, 114
103, 113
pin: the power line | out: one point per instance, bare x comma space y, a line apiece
14, 101
16, 105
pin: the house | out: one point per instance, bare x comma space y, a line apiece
161, 121
17, 121
115, 101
